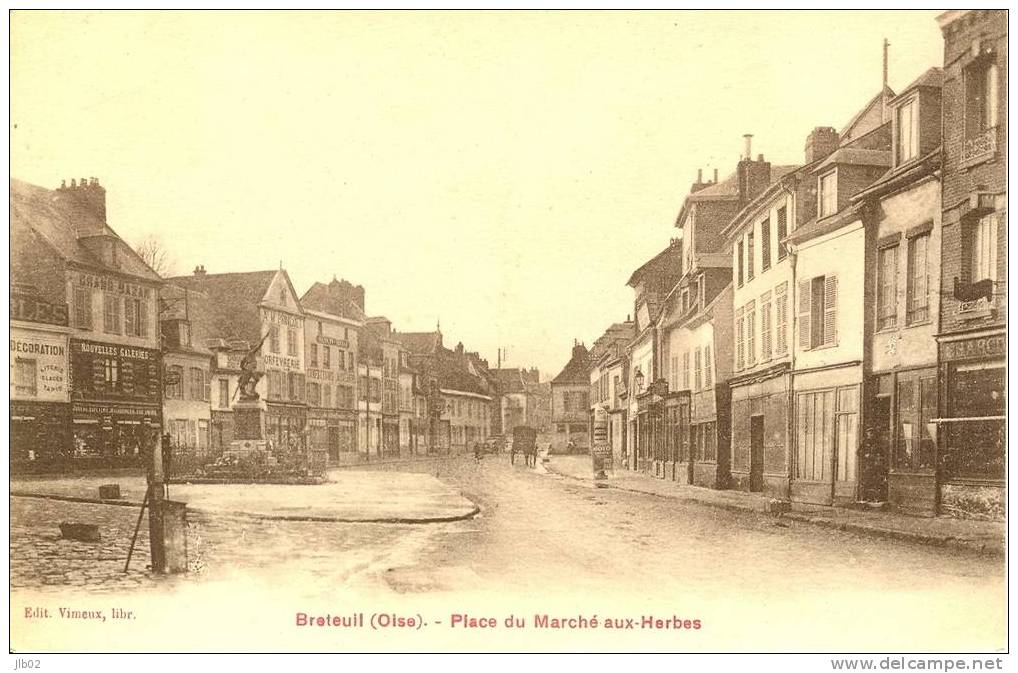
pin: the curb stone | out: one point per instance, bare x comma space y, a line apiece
981, 546
474, 511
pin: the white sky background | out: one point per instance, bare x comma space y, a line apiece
502, 172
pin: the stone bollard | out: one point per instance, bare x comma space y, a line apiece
84, 532
109, 492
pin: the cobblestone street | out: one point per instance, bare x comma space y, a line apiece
539, 537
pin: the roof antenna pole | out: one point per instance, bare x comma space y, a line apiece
883, 89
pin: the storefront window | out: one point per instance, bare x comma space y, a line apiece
975, 447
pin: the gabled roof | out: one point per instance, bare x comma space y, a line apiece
510, 380
577, 370
453, 373
420, 343
933, 78
320, 297
726, 190
235, 298
42, 210
670, 255
776, 186
866, 119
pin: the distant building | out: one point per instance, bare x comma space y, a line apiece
570, 402
84, 325
258, 311
520, 393
607, 382
334, 319
187, 390
651, 283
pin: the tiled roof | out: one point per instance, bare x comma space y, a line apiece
577, 370
510, 380
235, 298
453, 373
670, 256
857, 157
858, 126
319, 297
420, 343
41, 210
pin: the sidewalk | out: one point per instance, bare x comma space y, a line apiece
983, 536
349, 496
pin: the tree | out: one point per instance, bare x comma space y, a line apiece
154, 253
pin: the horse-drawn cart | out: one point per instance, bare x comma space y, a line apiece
525, 442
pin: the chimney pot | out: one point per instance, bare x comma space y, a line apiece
63, 184
715, 176
759, 158
699, 175
73, 183
749, 145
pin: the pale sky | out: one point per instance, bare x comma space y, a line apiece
501, 172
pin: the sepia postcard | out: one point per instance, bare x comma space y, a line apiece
509, 331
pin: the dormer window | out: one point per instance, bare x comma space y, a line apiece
907, 132
827, 198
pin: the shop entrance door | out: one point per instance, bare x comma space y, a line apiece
333, 444
756, 448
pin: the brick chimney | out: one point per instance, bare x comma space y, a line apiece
700, 184
85, 202
820, 143
753, 176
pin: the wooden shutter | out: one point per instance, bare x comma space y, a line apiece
739, 347
805, 291
830, 310
708, 372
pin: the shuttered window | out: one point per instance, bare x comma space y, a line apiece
751, 333
740, 344
766, 342
708, 368
111, 314
698, 364
749, 255
781, 318
782, 232
818, 312
739, 262
685, 370
83, 307
765, 244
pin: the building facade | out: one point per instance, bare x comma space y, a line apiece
972, 343
256, 311
40, 430
187, 390
61, 246
830, 323
570, 403
330, 347
902, 217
